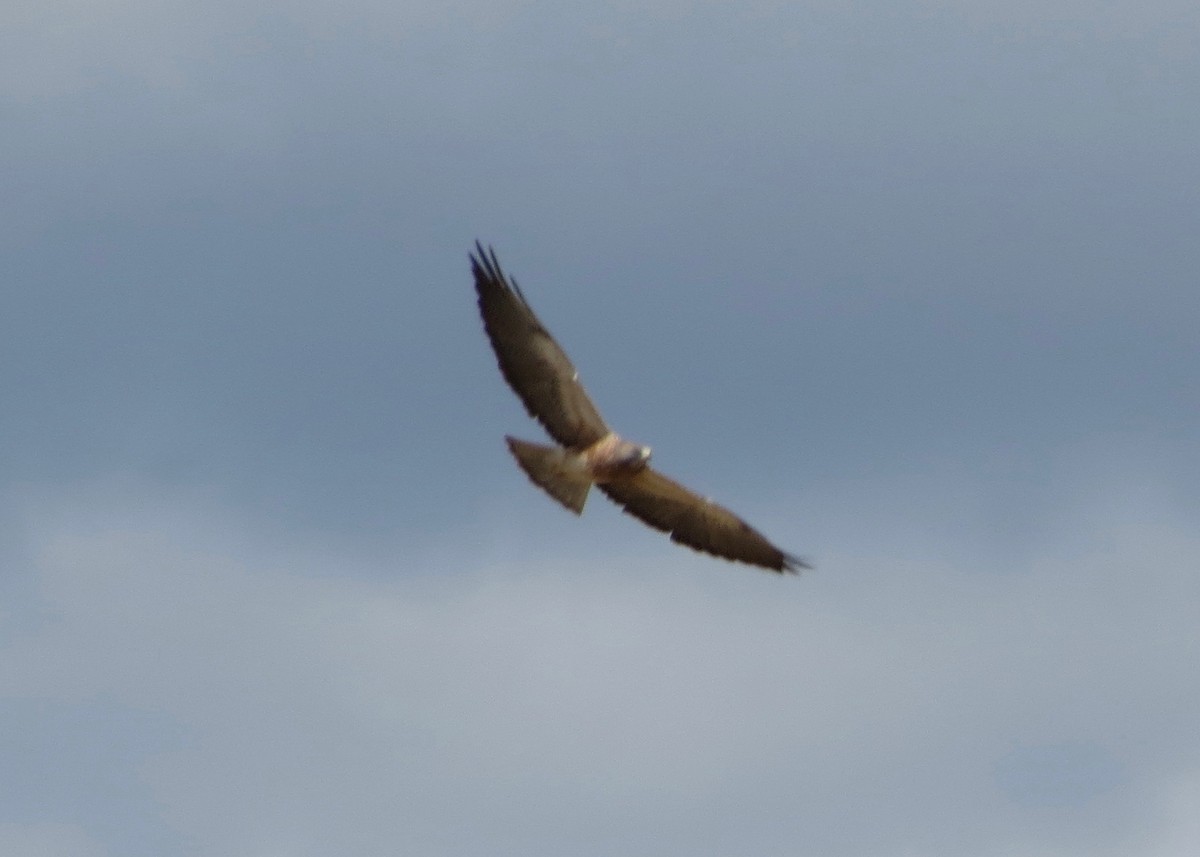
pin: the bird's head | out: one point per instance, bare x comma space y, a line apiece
633, 457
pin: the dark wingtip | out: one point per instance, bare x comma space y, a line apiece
485, 265
792, 564
482, 264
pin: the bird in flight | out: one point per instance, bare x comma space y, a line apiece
588, 451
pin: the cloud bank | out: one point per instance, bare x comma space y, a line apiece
269, 698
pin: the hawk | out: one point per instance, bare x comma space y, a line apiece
588, 451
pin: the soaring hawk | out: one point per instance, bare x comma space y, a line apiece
589, 451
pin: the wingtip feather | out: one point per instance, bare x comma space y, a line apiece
793, 564
484, 263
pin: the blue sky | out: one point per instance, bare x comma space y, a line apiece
911, 286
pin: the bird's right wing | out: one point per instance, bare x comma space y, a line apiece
534, 365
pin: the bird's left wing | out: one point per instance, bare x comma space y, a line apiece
696, 522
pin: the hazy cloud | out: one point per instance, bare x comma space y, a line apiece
910, 286
312, 704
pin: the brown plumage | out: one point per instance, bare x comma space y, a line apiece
534, 365
544, 379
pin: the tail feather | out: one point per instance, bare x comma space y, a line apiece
550, 469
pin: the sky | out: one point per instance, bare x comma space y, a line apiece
911, 286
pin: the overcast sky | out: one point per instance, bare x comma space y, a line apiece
912, 286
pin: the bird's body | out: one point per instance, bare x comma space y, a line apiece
611, 459
588, 451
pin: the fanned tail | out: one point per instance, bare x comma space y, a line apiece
550, 469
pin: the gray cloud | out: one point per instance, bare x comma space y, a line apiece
46, 840
625, 703
912, 287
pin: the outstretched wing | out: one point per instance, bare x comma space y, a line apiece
696, 522
531, 361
